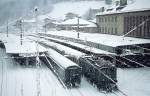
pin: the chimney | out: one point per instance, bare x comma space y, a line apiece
117, 3
123, 2
102, 9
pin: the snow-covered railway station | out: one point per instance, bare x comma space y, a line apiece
17, 80
74, 48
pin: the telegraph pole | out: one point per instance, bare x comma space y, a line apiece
21, 31
45, 26
7, 28
36, 13
78, 28
38, 63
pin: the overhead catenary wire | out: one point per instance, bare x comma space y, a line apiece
136, 62
124, 62
114, 81
142, 65
141, 47
139, 25
128, 60
115, 59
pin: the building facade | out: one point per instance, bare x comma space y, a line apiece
134, 24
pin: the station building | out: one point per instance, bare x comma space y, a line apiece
135, 23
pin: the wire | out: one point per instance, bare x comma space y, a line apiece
141, 47
107, 77
128, 60
114, 81
141, 24
111, 57
136, 62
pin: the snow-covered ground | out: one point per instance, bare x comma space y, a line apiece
17, 80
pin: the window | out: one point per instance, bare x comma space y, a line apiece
99, 19
105, 29
102, 29
108, 19
112, 30
105, 19
102, 19
112, 19
116, 30
108, 30
116, 19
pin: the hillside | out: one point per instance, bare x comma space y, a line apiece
78, 7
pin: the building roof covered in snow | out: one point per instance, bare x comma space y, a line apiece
133, 5
74, 22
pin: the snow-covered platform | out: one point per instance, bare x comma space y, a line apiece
13, 45
110, 43
65, 50
105, 39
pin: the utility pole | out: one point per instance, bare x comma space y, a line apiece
36, 13
45, 26
38, 63
7, 28
21, 31
78, 28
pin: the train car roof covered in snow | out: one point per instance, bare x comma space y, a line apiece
61, 60
68, 51
92, 49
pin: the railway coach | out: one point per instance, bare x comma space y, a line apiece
68, 72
